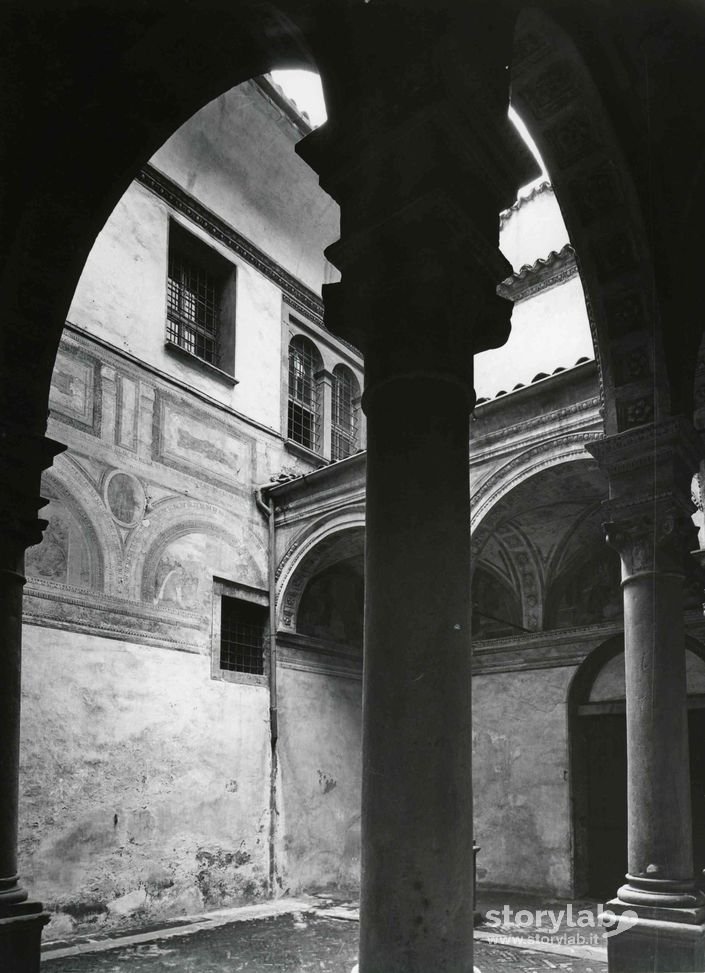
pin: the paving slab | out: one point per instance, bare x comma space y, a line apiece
298, 942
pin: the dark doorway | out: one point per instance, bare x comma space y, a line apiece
603, 741
696, 730
606, 766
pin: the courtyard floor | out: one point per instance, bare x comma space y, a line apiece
319, 936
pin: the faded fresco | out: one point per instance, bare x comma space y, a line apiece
63, 555
184, 574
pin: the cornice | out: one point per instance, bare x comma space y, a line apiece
590, 406
300, 297
287, 106
307, 654
558, 648
521, 201
556, 636
50, 604
557, 268
318, 507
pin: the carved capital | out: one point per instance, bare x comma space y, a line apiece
420, 155
651, 538
651, 460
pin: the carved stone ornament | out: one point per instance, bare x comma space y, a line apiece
651, 540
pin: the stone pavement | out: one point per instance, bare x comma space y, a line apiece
318, 938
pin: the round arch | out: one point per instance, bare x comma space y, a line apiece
567, 449
140, 88
556, 95
598, 765
327, 541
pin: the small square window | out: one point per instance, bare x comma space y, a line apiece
200, 301
242, 636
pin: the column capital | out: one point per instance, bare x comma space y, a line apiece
665, 453
23, 457
648, 513
651, 537
420, 155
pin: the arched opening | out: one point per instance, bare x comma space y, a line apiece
598, 766
331, 607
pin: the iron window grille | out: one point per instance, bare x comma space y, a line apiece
242, 635
193, 307
344, 417
303, 421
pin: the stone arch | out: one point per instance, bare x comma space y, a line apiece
567, 449
327, 541
557, 97
141, 89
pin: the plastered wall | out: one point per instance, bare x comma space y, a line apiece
145, 784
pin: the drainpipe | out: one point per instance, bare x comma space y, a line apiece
267, 509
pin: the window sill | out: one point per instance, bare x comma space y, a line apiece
200, 363
308, 454
243, 678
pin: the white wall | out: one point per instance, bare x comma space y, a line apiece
549, 330
533, 229
237, 157
145, 783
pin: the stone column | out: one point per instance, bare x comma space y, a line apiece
420, 156
649, 471
324, 379
22, 458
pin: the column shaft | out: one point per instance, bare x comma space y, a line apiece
659, 814
416, 900
649, 472
420, 156
22, 459
11, 581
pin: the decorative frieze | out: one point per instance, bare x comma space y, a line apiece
75, 392
53, 605
197, 443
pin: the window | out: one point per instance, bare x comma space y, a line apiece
242, 636
200, 301
345, 395
303, 423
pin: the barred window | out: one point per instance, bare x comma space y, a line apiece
192, 308
303, 423
345, 394
242, 635
200, 300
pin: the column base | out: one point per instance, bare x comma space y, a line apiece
662, 941
21, 937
